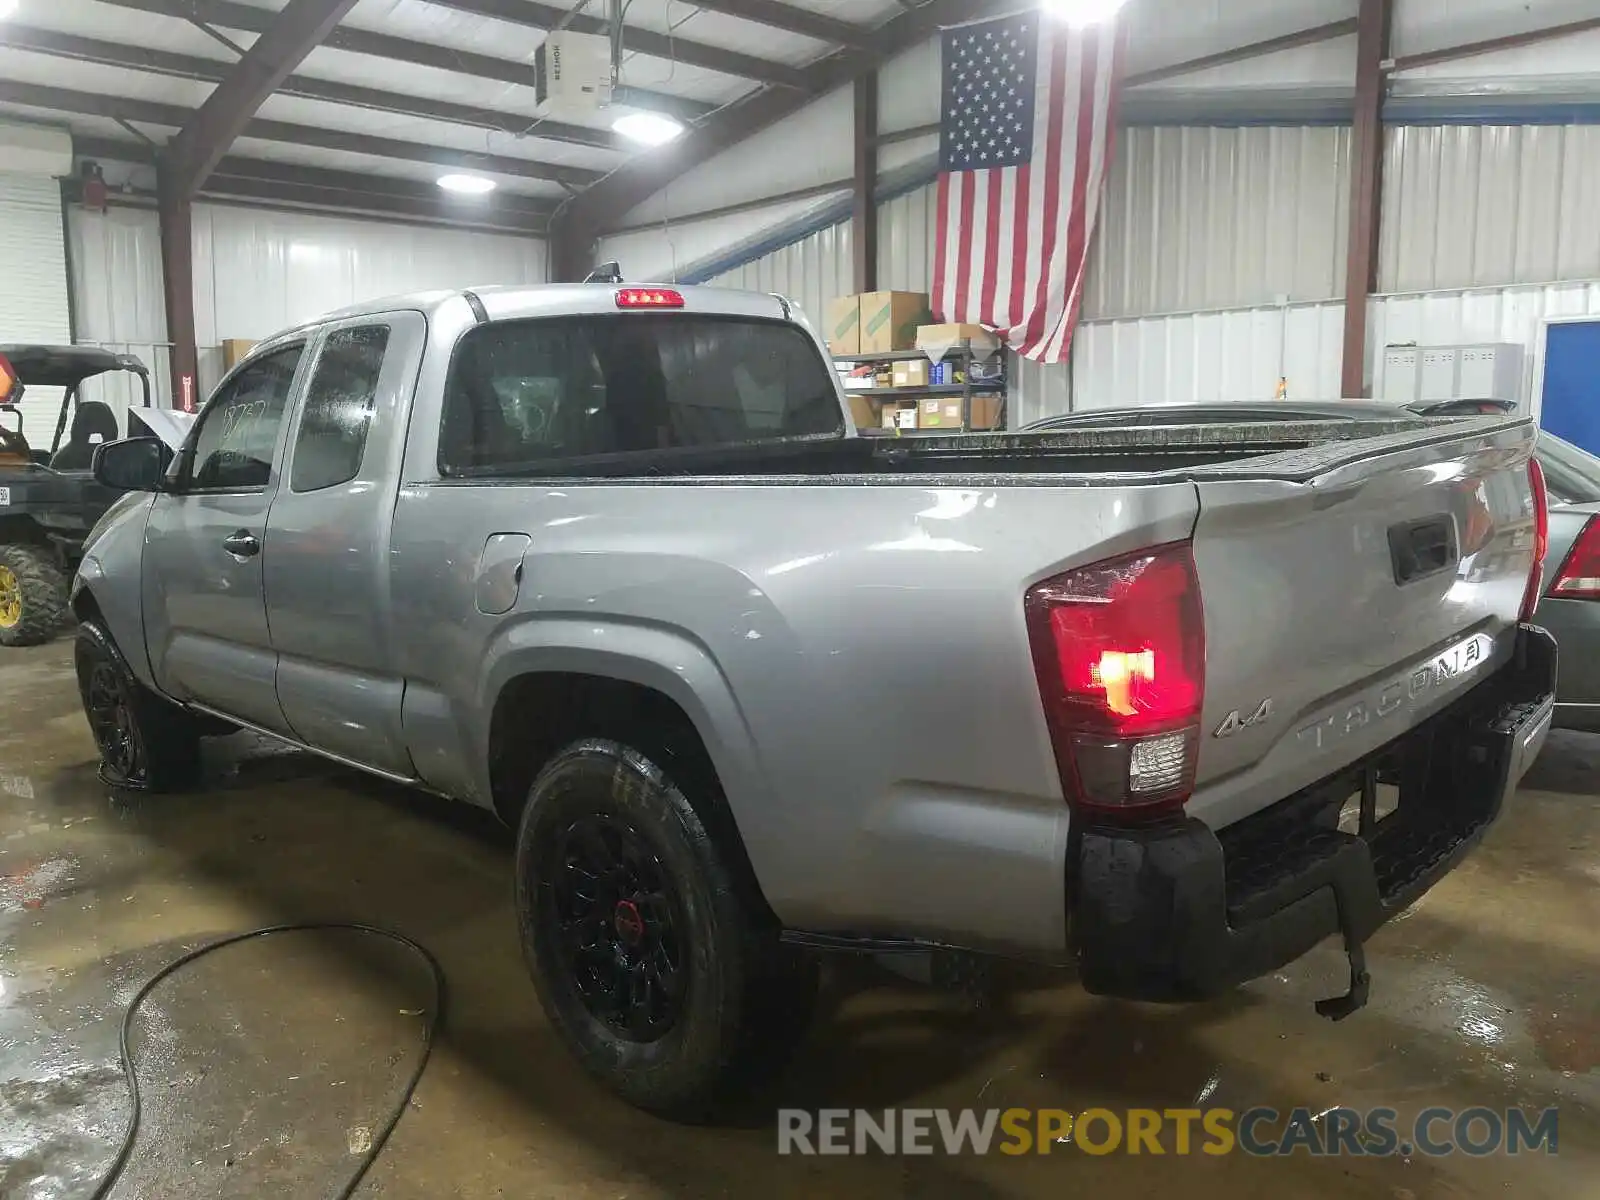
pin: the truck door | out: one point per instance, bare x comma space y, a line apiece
326, 563
205, 610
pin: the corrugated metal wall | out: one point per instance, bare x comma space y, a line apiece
809, 272
33, 287
1201, 218
259, 271
1467, 205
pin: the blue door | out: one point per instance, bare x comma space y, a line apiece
1572, 383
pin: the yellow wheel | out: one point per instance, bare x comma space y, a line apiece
33, 594
10, 599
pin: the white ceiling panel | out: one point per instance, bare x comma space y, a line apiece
682, 19
425, 131
439, 26
111, 23
368, 71
314, 156
71, 122
23, 66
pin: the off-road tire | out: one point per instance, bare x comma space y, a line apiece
146, 742
747, 999
43, 586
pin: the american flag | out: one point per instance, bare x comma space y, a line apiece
1025, 136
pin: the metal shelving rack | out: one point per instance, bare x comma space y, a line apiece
962, 355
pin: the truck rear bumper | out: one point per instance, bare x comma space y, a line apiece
1179, 912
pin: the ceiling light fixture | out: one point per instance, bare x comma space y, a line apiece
647, 128
1085, 12
7, 7
465, 185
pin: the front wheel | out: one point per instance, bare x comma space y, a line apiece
146, 742
33, 595
656, 973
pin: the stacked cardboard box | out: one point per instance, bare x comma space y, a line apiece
875, 322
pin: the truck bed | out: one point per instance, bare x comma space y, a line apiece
1156, 452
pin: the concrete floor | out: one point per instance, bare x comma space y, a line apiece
265, 1064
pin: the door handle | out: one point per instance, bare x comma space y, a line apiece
242, 544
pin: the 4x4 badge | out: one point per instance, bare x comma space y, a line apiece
1233, 723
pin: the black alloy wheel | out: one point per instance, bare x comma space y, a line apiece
111, 720
618, 919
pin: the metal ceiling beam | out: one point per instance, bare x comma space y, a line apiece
231, 14
603, 205
791, 20
1511, 41
1366, 190
149, 112
1225, 58
489, 216
235, 167
294, 32
210, 70
533, 15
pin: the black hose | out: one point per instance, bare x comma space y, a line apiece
435, 1020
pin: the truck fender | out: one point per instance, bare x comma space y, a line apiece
665, 659
119, 609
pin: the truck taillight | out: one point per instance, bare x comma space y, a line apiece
8, 379
1579, 575
1541, 538
649, 298
1119, 648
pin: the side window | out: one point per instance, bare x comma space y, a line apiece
338, 408
234, 443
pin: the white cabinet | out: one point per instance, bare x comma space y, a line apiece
1492, 371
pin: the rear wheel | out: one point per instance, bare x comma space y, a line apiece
658, 975
146, 743
33, 595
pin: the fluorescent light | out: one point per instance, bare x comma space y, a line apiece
652, 129
1085, 12
466, 185
7, 7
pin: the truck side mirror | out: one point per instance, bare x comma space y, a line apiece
132, 464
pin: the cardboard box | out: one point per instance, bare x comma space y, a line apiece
889, 320
864, 411
898, 416
936, 340
911, 374
234, 349
945, 413
842, 326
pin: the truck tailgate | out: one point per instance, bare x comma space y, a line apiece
1345, 605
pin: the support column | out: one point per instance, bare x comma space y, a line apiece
177, 276
1366, 189
864, 206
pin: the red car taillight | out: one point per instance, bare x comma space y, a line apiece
1119, 648
649, 298
1579, 576
1541, 538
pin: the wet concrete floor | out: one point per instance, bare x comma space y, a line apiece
267, 1066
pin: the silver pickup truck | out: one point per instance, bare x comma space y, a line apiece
1170, 705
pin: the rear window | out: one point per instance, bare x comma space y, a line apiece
526, 392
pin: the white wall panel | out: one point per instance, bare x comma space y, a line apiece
1469, 205
1217, 218
118, 301
259, 271
668, 251
1513, 314
33, 285
1209, 357
809, 272
906, 226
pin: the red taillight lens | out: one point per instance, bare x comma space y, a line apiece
649, 298
1120, 652
8, 379
1541, 538
1579, 576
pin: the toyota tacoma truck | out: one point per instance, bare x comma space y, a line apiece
1171, 705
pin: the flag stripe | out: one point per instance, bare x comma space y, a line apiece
989, 270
